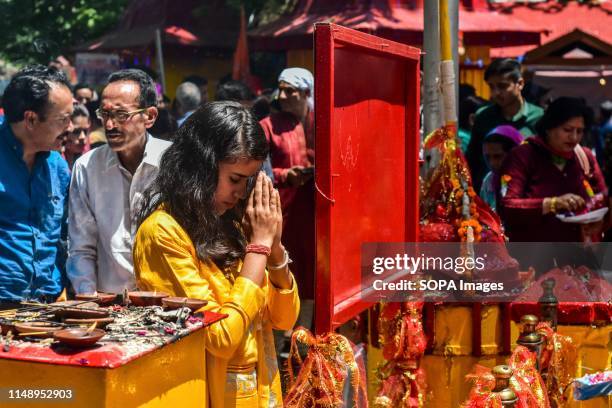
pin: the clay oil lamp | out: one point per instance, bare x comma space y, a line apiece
147, 298
37, 329
178, 302
79, 336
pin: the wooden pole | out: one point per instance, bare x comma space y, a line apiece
445, 34
447, 67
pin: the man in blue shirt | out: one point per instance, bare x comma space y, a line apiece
34, 182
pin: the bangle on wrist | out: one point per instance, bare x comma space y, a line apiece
286, 261
258, 249
553, 205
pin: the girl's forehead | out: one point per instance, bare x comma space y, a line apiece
242, 165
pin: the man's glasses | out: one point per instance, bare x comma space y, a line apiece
64, 120
117, 116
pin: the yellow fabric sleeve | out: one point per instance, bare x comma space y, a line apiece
165, 260
283, 306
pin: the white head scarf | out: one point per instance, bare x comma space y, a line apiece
301, 79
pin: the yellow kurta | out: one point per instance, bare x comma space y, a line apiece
165, 260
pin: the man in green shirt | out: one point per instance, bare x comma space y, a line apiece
508, 108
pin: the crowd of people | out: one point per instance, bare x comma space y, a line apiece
206, 206
528, 162
215, 200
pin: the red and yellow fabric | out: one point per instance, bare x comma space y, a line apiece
482, 395
443, 216
165, 260
330, 361
402, 383
526, 381
453, 345
559, 361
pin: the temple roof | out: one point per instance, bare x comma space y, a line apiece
380, 17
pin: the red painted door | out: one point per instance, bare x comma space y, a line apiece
367, 144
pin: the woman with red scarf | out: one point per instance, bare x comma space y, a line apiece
552, 174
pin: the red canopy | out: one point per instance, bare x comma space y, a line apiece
556, 19
381, 17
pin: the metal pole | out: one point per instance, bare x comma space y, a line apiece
160, 59
431, 75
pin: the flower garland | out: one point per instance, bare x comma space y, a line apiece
588, 188
504, 181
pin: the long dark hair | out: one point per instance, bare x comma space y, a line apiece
188, 176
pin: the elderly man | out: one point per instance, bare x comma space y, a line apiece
201, 83
291, 136
187, 101
33, 184
107, 185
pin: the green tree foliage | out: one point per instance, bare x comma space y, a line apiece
39, 30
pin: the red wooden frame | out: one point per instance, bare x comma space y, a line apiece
377, 82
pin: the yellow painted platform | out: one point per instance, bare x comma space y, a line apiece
172, 376
452, 360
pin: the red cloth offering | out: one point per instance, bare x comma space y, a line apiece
571, 285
